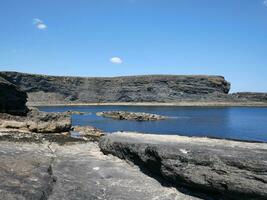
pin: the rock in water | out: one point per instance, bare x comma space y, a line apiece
138, 116
12, 99
230, 169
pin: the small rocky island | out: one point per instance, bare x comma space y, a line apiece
124, 115
40, 159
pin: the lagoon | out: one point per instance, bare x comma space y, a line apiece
241, 123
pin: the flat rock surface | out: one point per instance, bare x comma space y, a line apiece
227, 169
70, 172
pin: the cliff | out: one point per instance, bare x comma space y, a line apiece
43, 89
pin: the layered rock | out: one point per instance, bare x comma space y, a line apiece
138, 116
251, 96
155, 88
12, 99
229, 169
38, 122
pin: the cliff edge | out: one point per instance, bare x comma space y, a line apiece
43, 89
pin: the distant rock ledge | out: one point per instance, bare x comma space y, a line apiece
49, 90
179, 90
137, 116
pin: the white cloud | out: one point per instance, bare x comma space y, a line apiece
116, 60
39, 24
265, 2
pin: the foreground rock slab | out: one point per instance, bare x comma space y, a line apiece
25, 171
227, 169
49, 171
138, 116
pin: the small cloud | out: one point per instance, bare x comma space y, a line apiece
116, 60
39, 24
265, 2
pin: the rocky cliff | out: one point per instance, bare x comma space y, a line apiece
12, 99
150, 88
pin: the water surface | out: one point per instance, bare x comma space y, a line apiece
243, 123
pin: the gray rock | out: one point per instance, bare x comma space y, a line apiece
124, 115
251, 96
151, 88
230, 169
12, 99
54, 172
25, 171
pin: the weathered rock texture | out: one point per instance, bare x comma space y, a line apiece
36, 121
155, 88
48, 171
138, 116
251, 96
87, 131
230, 169
12, 99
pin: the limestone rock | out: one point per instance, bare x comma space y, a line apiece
36, 121
88, 131
229, 169
43, 89
48, 171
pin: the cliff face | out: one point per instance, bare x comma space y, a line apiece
12, 99
251, 96
154, 88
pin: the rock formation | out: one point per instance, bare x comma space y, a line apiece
155, 88
38, 122
251, 96
80, 171
88, 131
12, 99
138, 116
229, 169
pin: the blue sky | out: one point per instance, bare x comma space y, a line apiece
131, 37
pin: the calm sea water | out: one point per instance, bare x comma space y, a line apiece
244, 123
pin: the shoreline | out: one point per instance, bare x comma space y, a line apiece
175, 104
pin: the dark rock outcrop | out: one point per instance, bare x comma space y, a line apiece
12, 99
230, 169
151, 88
138, 116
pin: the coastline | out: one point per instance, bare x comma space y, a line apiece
178, 104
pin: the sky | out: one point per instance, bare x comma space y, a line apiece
135, 37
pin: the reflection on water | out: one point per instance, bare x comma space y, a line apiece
247, 123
